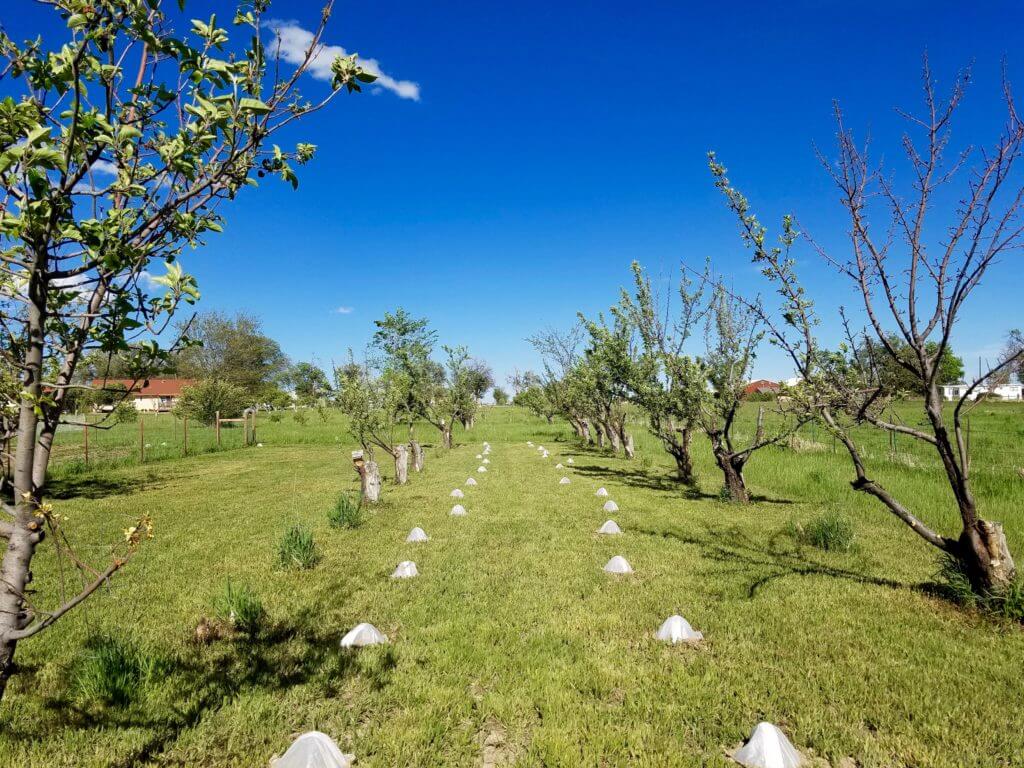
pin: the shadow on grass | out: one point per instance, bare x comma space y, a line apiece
99, 483
660, 481
760, 564
197, 682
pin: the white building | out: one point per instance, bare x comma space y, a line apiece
1002, 392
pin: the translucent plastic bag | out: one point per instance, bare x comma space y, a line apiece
768, 747
470, 481
457, 494
601, 493
313, 750
610, 528
564, 481
618, 564
363, 634
458, 510
676, 629
405, 570
417, 534
610, 506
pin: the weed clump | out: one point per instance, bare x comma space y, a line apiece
955, 584
111, 671
241, 608
297, 549
345, 513
831, 531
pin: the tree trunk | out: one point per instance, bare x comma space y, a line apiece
586, 432
732, 469
986, 557
417, 455
370, 481
401, 465
600, 435
446, 436
679, 448
25, 530
628, 445
613, 438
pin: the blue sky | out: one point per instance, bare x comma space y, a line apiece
553, 143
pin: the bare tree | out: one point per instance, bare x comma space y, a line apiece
912, 284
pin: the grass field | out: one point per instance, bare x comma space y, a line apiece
512, 647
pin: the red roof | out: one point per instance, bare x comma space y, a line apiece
761, 385
147, 387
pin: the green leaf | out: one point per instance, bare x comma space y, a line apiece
253, 105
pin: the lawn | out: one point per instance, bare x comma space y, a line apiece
512, 644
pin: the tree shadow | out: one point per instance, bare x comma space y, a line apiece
661, 481
636, 478
761, 564
202, 678
98, 486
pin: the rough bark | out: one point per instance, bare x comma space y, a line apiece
613, 438
628, 446
446, 436
369, 478
401, 465
25, 531
600, 435
679, 449
417, 455
986, 557
733, 474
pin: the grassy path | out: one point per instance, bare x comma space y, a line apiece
512, 646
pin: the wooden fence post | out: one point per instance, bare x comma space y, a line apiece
85, 440
142, 439
185, 433
218, 428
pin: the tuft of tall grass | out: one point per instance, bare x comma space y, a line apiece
1007, 604
242, 608
112, 671
831, 531
345, 513
297, 549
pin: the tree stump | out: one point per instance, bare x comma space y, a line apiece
370, 477
417, 455
630, 448
401, 465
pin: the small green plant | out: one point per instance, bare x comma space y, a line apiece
345, 513
297, 549
241, 608
300, 417
831, 531
111, 671
275, 416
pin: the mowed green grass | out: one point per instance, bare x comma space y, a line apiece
512, 634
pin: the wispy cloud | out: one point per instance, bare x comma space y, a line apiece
343, 310
294, 41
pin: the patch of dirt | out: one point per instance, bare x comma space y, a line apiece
496, 750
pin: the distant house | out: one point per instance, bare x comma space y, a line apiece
762, 387
148, 395
1002, 392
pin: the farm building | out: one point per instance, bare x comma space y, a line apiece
1002, 392
762, 387
148, 395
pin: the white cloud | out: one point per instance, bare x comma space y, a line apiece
294, 41
344, 310
104, 166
